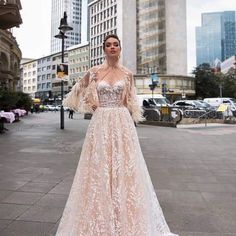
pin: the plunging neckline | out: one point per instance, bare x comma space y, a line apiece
111, 85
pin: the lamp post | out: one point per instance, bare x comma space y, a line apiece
64, 27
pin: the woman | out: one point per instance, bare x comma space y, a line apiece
112, 193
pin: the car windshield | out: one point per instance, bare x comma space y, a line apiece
233, 100
162, 101
202, 104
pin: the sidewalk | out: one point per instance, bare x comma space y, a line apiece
192, 169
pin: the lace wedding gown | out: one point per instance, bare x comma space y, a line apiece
112, 193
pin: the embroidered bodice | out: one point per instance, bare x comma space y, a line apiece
105, 86
110, 95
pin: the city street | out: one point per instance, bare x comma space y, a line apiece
193, 169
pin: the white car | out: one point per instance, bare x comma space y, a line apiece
216, 102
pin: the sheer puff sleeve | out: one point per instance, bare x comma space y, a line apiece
75, 98
132, 101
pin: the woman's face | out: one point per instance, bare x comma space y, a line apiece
112, 48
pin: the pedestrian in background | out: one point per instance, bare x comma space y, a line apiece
71, 113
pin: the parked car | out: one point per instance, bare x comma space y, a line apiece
216, 102
189, 104
146, 100
206, 105
50, 107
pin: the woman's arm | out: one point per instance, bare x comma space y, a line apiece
74, 99
132, 101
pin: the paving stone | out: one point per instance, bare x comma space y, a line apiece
53, 200
37, 187
11, 185
11, 211
23, 228
4, 224
4, 194
23, 198
42, 214
62, 188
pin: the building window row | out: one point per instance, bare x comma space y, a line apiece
97, 61
110, 12
79, 69
101, 5
99, 39
79, 59
104, 26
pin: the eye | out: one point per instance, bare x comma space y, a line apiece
108, 45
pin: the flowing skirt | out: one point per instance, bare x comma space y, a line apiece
112, 193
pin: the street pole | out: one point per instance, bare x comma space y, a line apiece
62, 82
64, 27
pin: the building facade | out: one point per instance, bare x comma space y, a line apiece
78, 60
177, 87
29, 79
153, 36
161, 37
44, 78
113, 16
216, 37
10, 53
73, 8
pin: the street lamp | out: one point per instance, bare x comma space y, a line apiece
64, 27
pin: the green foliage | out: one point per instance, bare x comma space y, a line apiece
229, 84
10, 100
208, 83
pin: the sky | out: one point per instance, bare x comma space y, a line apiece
33, 36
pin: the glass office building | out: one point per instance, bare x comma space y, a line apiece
73, 9
216, 38
151, 48
161, 37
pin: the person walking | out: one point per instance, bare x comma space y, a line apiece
71, 113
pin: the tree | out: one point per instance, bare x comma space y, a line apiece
229, 85
10, 100
206, 81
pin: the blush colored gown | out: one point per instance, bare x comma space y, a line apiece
112, 193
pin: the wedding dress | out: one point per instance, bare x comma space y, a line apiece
112, 193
